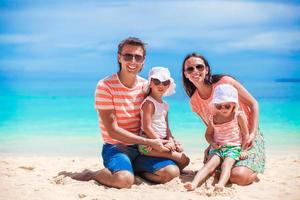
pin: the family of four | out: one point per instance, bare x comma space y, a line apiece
133, 120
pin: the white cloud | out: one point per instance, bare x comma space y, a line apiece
277, 41
100, 26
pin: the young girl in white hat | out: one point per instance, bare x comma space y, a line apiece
226, 133
154, 113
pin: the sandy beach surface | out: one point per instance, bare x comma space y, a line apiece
36, 177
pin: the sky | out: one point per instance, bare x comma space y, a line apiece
251, 40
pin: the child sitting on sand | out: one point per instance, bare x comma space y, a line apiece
154, 117
226, 133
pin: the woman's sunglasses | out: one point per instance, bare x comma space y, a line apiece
225, 106
190, 69
158, 82
129, 57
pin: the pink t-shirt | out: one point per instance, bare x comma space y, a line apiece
202, 106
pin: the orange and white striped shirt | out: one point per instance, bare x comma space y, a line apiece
111, 94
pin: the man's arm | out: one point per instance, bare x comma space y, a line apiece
108, 118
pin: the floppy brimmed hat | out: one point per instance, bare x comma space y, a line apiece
225, 93
162, 74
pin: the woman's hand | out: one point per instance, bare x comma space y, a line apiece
243, 155
249, 142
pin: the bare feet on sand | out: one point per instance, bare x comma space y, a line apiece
189, 186
85, 175
219, 188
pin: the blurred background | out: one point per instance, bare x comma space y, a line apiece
52, 54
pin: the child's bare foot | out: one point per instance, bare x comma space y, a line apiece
189, 186
219, 188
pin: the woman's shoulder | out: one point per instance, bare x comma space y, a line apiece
225, 79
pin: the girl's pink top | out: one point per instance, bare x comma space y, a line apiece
227, 133
202, 106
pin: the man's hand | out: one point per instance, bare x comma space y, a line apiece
157, 145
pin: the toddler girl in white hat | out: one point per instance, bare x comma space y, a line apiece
154, 115
226, 133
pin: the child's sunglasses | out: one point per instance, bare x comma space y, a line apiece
190, 69
158, 82
129, 57
220, 106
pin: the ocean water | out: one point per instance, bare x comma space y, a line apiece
57, 117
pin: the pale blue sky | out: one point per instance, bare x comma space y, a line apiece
248, 39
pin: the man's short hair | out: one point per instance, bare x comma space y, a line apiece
132, 41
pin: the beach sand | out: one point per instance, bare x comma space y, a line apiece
36, 177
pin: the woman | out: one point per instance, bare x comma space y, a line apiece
199, 85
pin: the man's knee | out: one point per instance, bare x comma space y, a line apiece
168, 173
123, 179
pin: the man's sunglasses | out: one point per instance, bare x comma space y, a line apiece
129, 57
158, 82
225, 106
190, 69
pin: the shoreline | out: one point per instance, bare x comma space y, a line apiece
36, 177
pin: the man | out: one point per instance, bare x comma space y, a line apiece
117, 101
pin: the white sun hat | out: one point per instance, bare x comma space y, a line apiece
162, 74
225, 93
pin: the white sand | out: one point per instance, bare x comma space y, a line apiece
30, 177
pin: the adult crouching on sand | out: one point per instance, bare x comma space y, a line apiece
199, 85
117, 101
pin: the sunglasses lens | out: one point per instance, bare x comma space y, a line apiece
166, 83
218, 107
138, 58
156, 81
227, 107
189, 70
200, 67
127, 57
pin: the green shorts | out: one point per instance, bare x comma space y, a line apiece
227, 151
143, 149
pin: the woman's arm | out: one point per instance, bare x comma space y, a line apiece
250, 101
242, 121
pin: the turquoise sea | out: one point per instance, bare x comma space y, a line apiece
57, 117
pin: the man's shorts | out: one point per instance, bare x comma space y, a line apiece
117, 157
227, 151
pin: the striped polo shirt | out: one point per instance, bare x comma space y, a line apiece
111, 94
